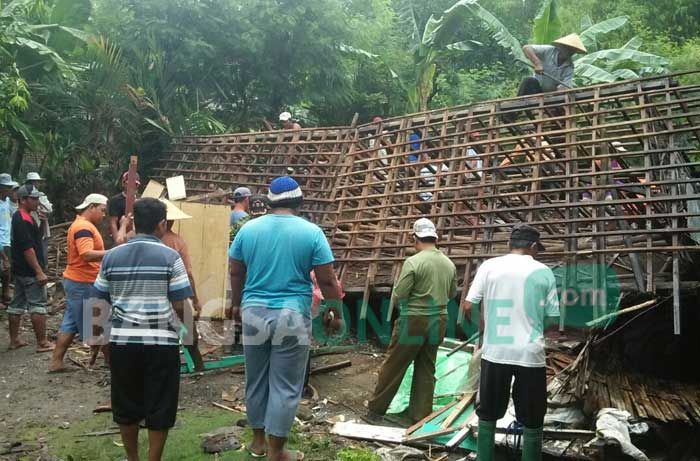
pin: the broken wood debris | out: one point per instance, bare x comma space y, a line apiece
234, 409
331, 367
456, 413
651, 302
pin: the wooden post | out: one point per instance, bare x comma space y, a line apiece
131, 185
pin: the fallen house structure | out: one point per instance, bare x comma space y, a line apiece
609, 173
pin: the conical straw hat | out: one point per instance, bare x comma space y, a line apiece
572, 41
174, 213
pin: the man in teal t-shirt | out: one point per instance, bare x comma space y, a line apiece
271, 260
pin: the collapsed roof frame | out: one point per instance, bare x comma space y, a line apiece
476, 170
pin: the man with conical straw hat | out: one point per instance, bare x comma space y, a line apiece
554, 69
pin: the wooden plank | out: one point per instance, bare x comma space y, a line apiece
369, 432
431, 434
461, 406
431, 417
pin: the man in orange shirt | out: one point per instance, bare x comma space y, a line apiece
85, 251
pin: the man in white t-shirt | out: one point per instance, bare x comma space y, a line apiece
516, 293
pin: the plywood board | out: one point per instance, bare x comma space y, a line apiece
153, 189
207, 235
176, 187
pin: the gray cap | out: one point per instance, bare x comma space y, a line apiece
28, 191
424, 227
33, 176
527, 233
241, 192
6, 181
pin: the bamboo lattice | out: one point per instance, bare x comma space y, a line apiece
605, 172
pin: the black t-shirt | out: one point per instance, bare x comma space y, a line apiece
117, 206
25, 235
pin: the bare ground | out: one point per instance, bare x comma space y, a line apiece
31, 398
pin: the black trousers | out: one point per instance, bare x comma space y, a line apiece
529, 85
529, 393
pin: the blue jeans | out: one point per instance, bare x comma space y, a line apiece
76, 295
276, 347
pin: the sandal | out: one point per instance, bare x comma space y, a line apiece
253, 454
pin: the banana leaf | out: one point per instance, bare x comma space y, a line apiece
625, 74
590, 74
465, 45
461, 11
617, 55
547, 26
633, 44
589, 37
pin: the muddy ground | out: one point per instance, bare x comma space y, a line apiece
32, 399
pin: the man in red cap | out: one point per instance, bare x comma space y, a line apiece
116, 208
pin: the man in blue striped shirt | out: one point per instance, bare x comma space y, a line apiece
146, 284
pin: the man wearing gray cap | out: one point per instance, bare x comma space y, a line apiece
41, 215
241, 207
6, 185
427, 282
519, 299
28, 270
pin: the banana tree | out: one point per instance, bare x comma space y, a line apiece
35, 42
599, 66
438, 38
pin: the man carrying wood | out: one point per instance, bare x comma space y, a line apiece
116, 209
427, 282
518, 297
271, 260
177, 243
554, 69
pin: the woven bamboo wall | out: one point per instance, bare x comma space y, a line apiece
476, 170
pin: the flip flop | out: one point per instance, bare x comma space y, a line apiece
40, 350
253, 454
103, 408
17, 346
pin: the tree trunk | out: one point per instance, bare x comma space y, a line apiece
18, 151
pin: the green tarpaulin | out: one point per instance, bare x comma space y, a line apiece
451, 378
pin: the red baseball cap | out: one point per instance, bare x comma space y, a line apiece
125, 177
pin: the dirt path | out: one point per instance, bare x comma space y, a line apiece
32, 398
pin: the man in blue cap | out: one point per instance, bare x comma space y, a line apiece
518, 297
271, 260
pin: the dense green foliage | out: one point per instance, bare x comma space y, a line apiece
86, 83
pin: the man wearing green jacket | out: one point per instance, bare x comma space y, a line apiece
427, 282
